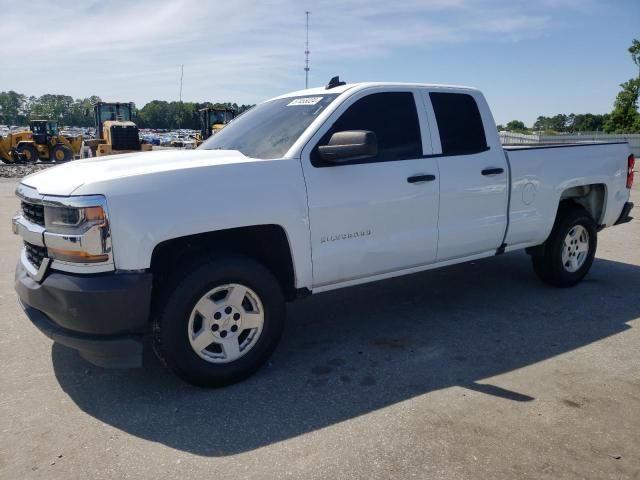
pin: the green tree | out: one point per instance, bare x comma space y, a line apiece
625, 117
13, 108
516, 126
18, 109
634, 50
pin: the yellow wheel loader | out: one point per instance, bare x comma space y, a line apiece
51, 145
18, 147
212, 120
115, 130
42, 141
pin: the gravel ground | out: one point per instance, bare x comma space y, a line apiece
19, 171
473, 371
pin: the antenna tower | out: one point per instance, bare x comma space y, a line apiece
306, 53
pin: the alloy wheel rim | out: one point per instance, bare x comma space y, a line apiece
575, 248
225, 323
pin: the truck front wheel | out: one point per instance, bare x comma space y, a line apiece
567, 255
220, 322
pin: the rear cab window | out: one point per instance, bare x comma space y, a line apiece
459, 123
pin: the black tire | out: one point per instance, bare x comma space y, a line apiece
28, 153
172, 328
547, 258
60, 153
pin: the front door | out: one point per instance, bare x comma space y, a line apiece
377, 215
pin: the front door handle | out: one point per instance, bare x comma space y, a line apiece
421, 178
492, 171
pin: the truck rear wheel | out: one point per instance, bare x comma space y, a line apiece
220, 322
567, 255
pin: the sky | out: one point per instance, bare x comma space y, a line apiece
529, 57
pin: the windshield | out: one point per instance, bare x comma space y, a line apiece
269, 129
120, 112
217, 116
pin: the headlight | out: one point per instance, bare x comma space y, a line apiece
72, 220
77, 230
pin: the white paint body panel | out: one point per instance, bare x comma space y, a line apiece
157, 196
539, 176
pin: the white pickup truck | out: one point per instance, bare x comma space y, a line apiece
320, 189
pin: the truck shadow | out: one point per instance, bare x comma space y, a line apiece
351, 352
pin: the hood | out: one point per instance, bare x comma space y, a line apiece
64, 179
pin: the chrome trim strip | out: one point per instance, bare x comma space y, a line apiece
36, 274
75, 202
28, 194
82, 268
31, 195
30, 232
94, 241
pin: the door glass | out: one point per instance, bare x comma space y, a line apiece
459, 123
394, 119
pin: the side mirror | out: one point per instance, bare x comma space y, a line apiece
349, 145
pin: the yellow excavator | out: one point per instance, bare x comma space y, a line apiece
212, 120
43, 141
116, 133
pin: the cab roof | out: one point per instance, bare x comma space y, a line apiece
361, 85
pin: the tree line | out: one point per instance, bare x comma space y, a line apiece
19, 109
561, 123
624, 118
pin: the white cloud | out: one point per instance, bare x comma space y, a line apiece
242, 49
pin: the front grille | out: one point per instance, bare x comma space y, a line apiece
35, 254
34, 213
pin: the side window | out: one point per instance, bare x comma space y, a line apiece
459, 123
394, 119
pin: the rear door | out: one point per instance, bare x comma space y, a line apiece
473, 175
378, 215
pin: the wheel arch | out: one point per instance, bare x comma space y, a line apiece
591, 197
267, 244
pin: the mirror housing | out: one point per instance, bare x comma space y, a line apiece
349, 145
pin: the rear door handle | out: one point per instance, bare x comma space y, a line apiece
421, 178
492, 171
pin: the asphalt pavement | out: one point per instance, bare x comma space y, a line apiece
472, 371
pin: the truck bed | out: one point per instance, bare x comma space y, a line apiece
542, 174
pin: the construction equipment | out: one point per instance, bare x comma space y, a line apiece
43, 141
117, 133
51, 145
212, 120
18, 147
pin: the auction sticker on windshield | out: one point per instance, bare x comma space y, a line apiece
304, 101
